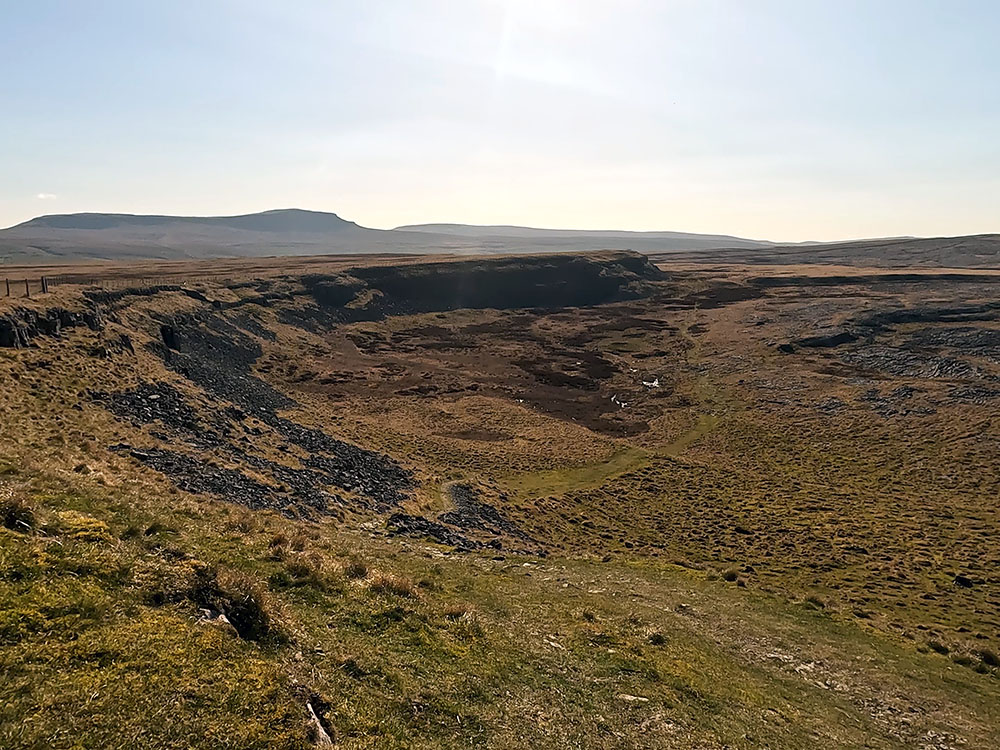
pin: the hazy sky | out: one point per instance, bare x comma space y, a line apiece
778, 119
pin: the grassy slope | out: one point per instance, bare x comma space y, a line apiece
451, 652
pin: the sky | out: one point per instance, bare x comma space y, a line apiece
772, 119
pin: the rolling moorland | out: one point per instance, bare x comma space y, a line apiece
571, 500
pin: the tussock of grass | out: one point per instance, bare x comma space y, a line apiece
16, 513
248, 606
307, 570
282, 546
81, 527
355, 569
457, 610
392, 585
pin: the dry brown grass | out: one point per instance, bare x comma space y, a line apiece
16, 512
355, 568
390, 584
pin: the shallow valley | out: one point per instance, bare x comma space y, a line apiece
578, 499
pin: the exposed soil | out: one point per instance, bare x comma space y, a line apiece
552, 362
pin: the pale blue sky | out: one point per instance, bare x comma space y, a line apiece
779, 119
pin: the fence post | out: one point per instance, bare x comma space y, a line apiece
27, 289
8, 287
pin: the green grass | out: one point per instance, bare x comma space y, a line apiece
455, 652
559, 481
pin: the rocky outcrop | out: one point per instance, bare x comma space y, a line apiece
827, 340
218, 357
472, 513
105, 296
404, 524
886, 319
13, 332
19, 327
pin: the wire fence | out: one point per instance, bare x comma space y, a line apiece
34, 287
114, 282
26, 287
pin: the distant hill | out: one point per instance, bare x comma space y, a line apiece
283, 220
98, 236
970, 251
69, 238
661, 240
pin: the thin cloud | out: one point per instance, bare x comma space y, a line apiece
46, 196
